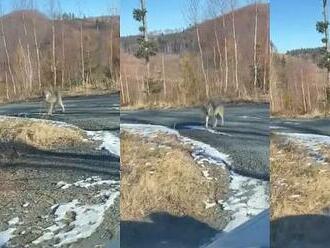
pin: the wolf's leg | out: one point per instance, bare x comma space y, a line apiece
62, 105
215, 122
207, 121
50, 110
222, 120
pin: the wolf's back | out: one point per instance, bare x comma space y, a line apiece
219, 110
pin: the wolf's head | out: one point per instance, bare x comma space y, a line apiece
46, 94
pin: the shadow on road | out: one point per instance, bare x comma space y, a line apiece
20, 154
301, 231
165, 231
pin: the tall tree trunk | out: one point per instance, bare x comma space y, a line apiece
111, 50
7, 87
29, 68
226, 54
216, 69
303, 91
220, 59
122, 89
54, 69
309, 97
127, 90
37, 53
164, 76
267, 57
25, 69
325, 17
202, 63
82, 54
7, 56
235, 49
63, 57
255, 62
146, 38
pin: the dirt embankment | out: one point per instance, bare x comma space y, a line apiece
160, 175
300, 185
40, 134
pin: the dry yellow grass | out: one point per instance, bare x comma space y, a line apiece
43, 134
299, 186
159, 175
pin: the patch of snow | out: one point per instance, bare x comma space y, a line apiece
6, 236
250, 117
109, 141
87, 219
209, 205
201, 151
206, 175
209, 130
26, 204
13, 221
275, 127
87, 183
312, 142
63, 185
247, 196
253, 233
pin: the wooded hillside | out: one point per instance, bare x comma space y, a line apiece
230, 61
64, 51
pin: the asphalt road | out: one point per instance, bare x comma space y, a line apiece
245, 135
87, 112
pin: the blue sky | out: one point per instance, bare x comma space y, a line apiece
293, 23
84, 7
162, 15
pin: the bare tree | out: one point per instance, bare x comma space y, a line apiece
53, 17
81, 45
164, 75
36, 46
29, 68
6, 51
193, 8
255, 61
224, 26
303, 90
63, 45
214, 7
112, 11
233, 5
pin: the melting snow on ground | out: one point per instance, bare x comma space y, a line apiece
82, 219
250, 117
8, 234
208, 130
86, 183
312, 142
248, 196
109, 141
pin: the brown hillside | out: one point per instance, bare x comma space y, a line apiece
100, 37
182, 69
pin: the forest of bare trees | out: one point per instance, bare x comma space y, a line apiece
300, 80
298, 85
225, 55
56, 49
